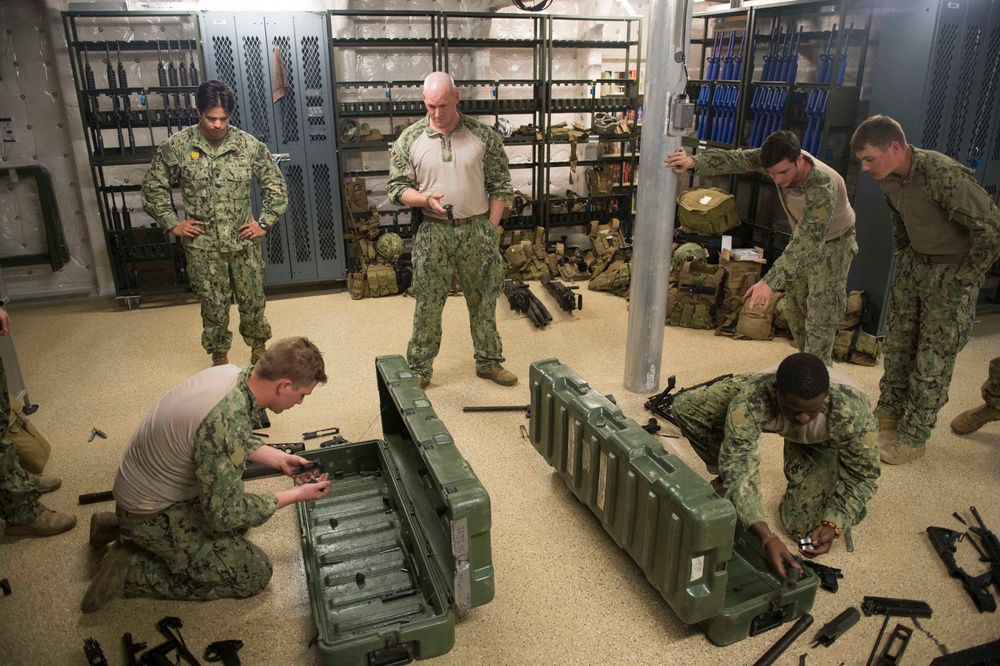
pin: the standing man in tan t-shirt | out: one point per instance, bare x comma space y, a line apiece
455, 168
945, 236
812, 270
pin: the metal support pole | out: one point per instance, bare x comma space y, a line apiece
665, 80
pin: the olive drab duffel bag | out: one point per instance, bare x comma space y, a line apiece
709, 211
694, 301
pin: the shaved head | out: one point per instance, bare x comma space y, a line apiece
441, 99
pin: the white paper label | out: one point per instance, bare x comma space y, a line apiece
707, 199
697, 568
602, 480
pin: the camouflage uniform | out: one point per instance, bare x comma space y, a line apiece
812, 270
19, 503
192, 549
215, 186
831, 481
930, 315
991, 389
439, 249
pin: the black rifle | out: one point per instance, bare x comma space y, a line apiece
126, 215
893, 608
115, 105
660, 403
827, 576
93, 106
126, 100
116, 218
521, 300
183, 72
174, 83
568, 299
193, 67
990, 551
161, 73
944, 541
132, 649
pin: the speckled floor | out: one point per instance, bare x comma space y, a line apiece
565, 593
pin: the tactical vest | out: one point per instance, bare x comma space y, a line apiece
607, 239
709, 211
381, 280
615, 276
694, 301
600, 181
856, 346
356, 195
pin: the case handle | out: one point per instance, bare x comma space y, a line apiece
392, 656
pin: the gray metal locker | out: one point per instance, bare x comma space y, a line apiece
936, 73
240, 50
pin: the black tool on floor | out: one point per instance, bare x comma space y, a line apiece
894, 648
166, 627
890, 607
828, 576
785, 641
5, 586
320, 433
836, 627
131, 649
224, 651
95, 655
652, 427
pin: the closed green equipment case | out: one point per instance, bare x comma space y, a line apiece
678, 530
402, 541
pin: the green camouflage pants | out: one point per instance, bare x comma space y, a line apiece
219, 277
991, 389
439, 250
928, 323
812, 471
816, 300
19, 503
183, 558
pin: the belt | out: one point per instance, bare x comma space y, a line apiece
849, 232
457, 222
941, 258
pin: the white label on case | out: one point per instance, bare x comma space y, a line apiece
697, 568
602, 480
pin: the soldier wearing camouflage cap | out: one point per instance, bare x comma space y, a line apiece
451, 159
216, 166
945, 236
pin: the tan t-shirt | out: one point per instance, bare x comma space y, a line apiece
793, 200
158, 467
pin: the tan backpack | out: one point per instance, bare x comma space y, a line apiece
709, 211
694, 301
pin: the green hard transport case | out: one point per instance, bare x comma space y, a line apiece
677, 529
402, 542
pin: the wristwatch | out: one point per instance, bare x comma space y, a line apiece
263, 225
965, 282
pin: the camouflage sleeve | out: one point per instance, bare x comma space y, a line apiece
497, 169
854, 434
402, 175
717, 162
274, 191
221, 446
808, 243
971, 206
163, 170
739, 455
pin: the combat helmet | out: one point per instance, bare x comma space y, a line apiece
389, 247
687, 252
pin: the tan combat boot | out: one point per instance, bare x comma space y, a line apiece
498, 374
974, 419
220, 358
422, 382
46, 484
47, 524
103, 528
893, 453
110, 579
256, 353
886, 422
